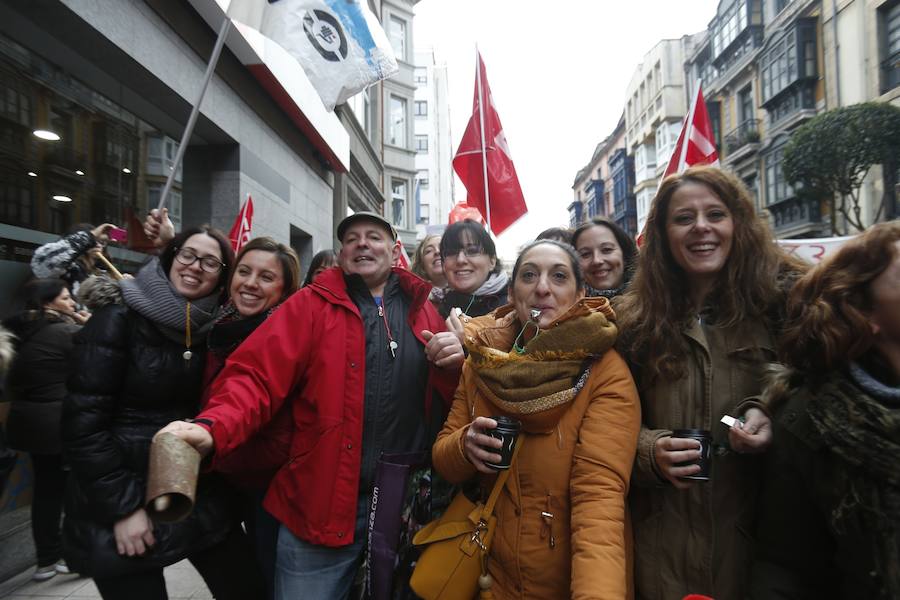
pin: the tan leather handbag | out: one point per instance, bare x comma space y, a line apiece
454, 563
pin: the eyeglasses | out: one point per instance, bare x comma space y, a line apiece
471, 251
210, 264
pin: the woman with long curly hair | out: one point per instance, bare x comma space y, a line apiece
698, 327
830, 510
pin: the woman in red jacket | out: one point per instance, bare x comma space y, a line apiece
266, 274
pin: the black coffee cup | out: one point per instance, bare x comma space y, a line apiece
507, 431
704, 436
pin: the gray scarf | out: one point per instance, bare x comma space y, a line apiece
153, 296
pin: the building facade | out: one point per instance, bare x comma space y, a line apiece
433, 191
398, 98
766, 67
593, 187
117, 102
654, 110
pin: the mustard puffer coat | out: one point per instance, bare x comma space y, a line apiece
579, 472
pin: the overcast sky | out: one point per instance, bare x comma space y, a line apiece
558, 72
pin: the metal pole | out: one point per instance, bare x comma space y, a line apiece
192, 120
487, 194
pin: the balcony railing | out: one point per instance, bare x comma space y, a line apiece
794, 212
745, 133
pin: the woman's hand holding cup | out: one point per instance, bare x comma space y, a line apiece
669, 452
477, 445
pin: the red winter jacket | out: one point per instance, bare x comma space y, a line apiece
311, 352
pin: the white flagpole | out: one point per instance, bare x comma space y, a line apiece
688, 125
487, 195
192, 120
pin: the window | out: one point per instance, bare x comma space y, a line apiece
397, 125
889, 25
421, 108
790, 59
422, 143
15, 105
361, 107
398, 201
421, 75
728, 26
745, 105
161, 152
777, 188
16, 200
422, 179
154, 190
398, 37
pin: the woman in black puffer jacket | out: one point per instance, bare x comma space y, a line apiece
37, 386
137, 366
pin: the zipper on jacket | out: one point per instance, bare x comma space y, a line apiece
547, 526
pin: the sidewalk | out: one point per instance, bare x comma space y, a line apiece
182, 581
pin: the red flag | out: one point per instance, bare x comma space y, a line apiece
240, 231
403, 259
700, 147
504, 193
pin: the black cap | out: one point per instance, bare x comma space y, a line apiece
368, 216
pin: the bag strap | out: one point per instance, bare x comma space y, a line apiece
501, 482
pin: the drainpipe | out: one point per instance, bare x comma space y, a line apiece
837, 57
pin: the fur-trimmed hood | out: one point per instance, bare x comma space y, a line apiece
98, 291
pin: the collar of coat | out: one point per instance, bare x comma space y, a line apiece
332, 286
537, 386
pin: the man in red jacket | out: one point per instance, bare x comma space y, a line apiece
365, 361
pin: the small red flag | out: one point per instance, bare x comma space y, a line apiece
504, 192
403, 258
700, 148
240, 231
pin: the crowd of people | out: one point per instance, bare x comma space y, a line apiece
704, 414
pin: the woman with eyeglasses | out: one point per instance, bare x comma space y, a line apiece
138, 365
476, 282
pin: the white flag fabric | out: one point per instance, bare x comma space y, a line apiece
339, 43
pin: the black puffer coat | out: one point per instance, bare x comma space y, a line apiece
129, 380
37, 380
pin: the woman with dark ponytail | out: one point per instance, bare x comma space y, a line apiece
37, 386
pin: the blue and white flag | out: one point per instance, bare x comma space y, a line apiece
339, 43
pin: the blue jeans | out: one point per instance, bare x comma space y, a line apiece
313, 572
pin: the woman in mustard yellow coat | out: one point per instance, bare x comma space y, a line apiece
561, 520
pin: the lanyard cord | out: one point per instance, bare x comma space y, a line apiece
382, 312
187, 331
471, 302
187, 334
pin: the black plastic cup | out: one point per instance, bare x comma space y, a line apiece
507, 431
704, 436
